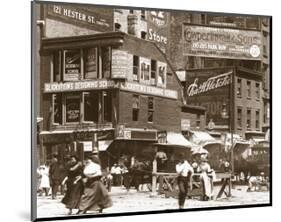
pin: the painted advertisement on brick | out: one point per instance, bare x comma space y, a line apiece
157, 28
221, 42
210, 88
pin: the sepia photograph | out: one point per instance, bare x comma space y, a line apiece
148, 110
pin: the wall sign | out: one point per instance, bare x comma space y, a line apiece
221, 42
119, 64
157, 28
150, 90
95, 18
78, 86
209, 88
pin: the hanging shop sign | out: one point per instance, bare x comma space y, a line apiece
210, 88
157, 28
91, 17
78, 86
119, 64
221, 42
150, 90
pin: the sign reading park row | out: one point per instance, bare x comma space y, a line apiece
221, 42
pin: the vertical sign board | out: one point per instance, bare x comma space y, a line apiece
95, 18
119, 64
218, 42
209, 88
157, 28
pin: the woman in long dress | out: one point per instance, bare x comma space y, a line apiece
95, 196
74, 184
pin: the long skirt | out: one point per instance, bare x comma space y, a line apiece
73, 194
95, 196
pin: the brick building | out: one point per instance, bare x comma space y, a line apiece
100, 88
254, 72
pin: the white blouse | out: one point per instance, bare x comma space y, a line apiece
92, 170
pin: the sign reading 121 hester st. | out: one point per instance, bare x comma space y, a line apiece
221, 42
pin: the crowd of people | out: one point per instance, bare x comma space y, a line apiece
86, 188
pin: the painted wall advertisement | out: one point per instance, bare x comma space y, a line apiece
211, 89
222, 42
92, 17
119, 64
157, 28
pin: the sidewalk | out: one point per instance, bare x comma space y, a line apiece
133, 201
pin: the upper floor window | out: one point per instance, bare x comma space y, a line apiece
72, 64
57, 109
153, 72
77, 64
248, 118
249, 89
257, 119
145, 70
135, 68
150, 109
72, 109
143, 35
257, 90
91, 63
131, 11
239, 87
239, 117
136, 107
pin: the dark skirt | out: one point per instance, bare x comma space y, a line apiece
95, 196
73, 195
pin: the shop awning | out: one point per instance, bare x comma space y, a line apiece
104, 144
203, 138
177, 139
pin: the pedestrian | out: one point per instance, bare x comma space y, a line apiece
184, 171
113, 173
44, 184
55, 176
95, 196
207, 176
74, 184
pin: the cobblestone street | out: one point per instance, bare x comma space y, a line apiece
133, 201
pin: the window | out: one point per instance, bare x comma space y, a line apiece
145, 70
153, 72
117, 26
257, 90
131, 11
135, 68
143, 35
57, 66
150, 109
105, 62
248, 118
136, 107
107, 106
72, 108
239, 87
239, 117
57, 108
258, 119
91, 106
91, 63
162, 71
203, 19
198, 122
248, 89
72, 65
143, 14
